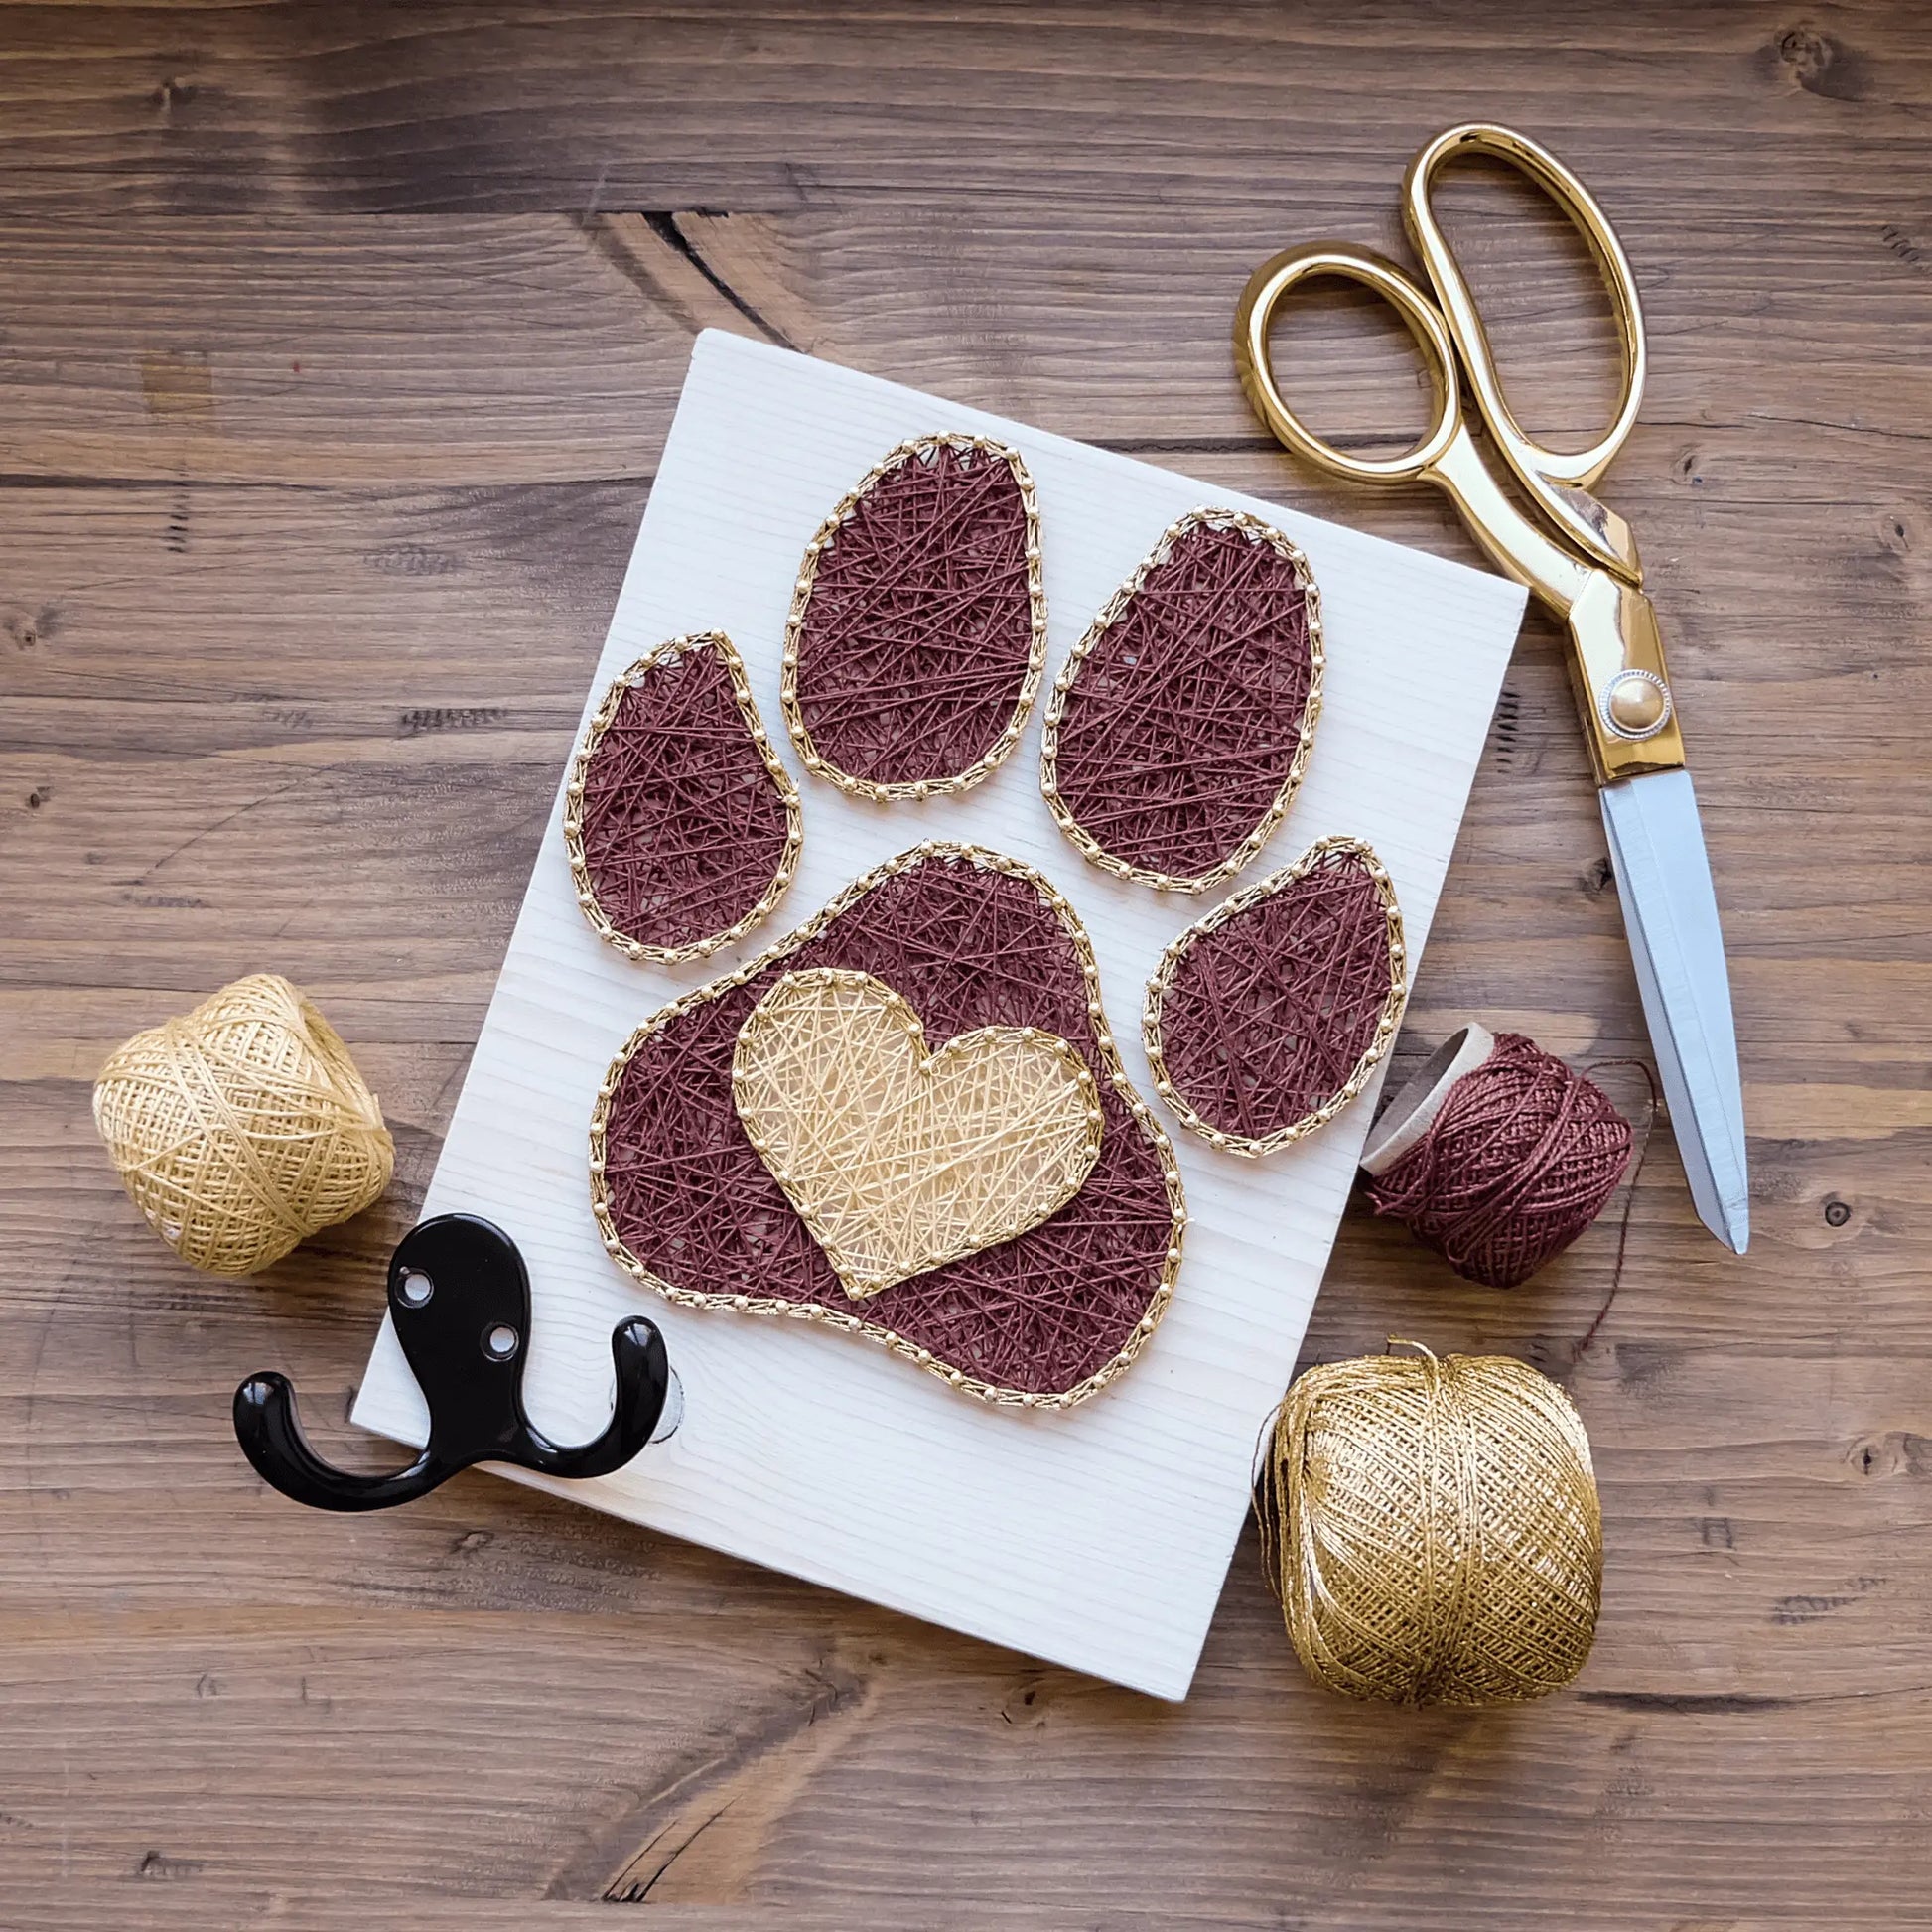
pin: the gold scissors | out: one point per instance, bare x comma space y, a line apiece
1580, 559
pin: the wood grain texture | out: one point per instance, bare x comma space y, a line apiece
314, 518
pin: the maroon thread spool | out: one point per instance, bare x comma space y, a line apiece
1496, 1154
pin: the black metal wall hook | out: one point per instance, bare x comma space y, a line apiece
459, 1295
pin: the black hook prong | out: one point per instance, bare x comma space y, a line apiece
476, 1288
271, 1437
643, 1366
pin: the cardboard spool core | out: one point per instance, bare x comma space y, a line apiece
1412, 1113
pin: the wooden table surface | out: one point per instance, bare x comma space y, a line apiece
338, 345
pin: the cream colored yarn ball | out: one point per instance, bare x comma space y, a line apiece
1433, 1529
243, 1127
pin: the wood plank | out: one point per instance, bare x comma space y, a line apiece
540, 349
369, 106
1111, 1524
1018, 1787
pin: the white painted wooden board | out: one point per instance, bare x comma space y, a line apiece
1098, 1538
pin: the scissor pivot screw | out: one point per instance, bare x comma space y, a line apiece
1636, 704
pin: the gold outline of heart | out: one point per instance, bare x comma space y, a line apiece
870, 1205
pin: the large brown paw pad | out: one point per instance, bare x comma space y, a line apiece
966, 939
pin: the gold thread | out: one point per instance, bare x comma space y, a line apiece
1433, 1528
243, 1127
1116, 1073
1001, 748
1386, 1025
1110, 613
727, 651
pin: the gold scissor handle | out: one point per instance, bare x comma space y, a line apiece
1270, 286
1445, 455
1560, 481
1619, 657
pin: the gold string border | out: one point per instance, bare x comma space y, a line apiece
1110, 613
727, 651
1386, 1026
1001, 748
957, 1378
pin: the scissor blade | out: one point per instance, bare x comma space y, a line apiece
1670, 912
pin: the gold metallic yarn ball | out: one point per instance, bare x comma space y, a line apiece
1432, 1529
243, 1127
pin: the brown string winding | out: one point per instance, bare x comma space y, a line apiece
918, 629
1179, 732
1522, 1155
683, 830
969, 940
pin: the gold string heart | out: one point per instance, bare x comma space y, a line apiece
898, 1159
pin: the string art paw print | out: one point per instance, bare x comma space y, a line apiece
908, 1119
